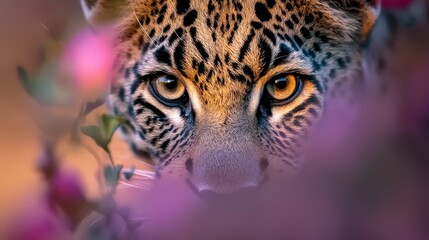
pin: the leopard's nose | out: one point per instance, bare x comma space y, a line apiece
223, 197
208, 192
222, 175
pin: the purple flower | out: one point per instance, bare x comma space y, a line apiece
395, 4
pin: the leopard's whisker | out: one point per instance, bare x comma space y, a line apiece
145, 173
94, 222
125, 185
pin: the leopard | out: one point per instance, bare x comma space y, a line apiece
223, 94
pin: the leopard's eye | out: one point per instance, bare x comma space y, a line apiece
168, 89
283, 88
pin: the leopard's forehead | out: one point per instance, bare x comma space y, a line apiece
222, 48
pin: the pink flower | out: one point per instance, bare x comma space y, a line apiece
395, 4
66, 193
34, 220
89, 59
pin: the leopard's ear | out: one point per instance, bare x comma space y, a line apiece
101, 12
365, 11
371, 13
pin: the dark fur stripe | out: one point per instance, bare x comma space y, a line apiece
266, 56
283, 55
140, 102
176, 35
182, 6
163, 56
312, 100
136, 85
164, 145
270, 35
246, 45
190, 18
178, 58
198, 44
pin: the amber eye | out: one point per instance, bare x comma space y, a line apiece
168, 88
283, 88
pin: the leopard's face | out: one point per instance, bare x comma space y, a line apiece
224, 93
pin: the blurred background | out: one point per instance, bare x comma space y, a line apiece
22, 35
26, 26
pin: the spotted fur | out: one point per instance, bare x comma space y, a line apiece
228, 135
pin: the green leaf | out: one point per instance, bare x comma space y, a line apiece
96, 135
129, 173
42, 89
109, 124
23, 75
25, 80
102, 133
111, 174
